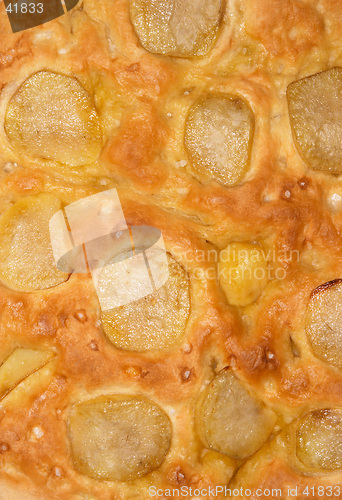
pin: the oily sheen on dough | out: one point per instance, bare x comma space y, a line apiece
219, 124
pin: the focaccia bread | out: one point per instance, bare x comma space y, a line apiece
220, 124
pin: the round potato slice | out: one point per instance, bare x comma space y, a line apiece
323, 322
180, 28
53, 117
315, 107
243, 273
319, 440
156, 321
118, 437
218, 138
26, 259
230, 420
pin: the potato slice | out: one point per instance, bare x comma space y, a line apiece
156, 321
52, 116
26, 259
243, 273
19, 365
315, 107
319, 440
230, 420
180, 28
323, 322
118, 437
30, 387
218, 138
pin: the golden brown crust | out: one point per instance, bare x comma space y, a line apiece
293, 212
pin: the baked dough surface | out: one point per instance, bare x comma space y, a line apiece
139, 102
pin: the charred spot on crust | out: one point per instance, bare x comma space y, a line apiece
325, 286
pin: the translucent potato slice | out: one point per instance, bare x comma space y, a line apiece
315, 107
323, 322
230, 420
181, 28
52, 116
218, 138
156, 321
26, 259
118, 437
243, 273
319, 440
31, 386
19, 365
